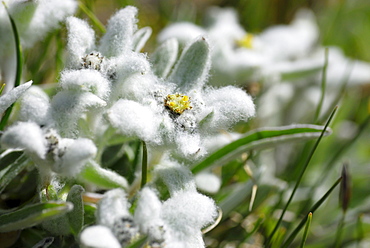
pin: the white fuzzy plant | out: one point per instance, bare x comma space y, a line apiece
112, 89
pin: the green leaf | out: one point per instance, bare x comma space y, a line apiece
11, 171
259, 139
33, 215
76, 216
165, 57
101, 177
7, 158
192, 66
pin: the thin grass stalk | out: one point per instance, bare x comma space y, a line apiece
93, 18
306, 229
268, 240
144, 167
312, 210
17, 81
338, 235
323, 86
335, 157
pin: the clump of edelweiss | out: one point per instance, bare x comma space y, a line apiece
175, 222
241, 56
173, 108
95, 71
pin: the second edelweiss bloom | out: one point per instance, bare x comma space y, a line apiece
177, 110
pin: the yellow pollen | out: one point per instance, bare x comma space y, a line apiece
246, 41
177, 103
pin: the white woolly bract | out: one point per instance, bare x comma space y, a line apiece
27, 136
148, 212
76, 154
112, 206
98, 237
136, 87
208, 182
68, 107
119, 36
85, 80
134, 119
127, 65
230, 105
184, 216
35, 106
189, 145
81, 40
9, 98
176, 177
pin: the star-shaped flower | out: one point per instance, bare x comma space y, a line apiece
178, 111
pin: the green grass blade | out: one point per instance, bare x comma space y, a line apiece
312, 210
18, 49
12, 171
33, 215
259, 139
92, 17
306, 229
268, 240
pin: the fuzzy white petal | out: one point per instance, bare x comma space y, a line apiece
81, 40
185, 214
27, 136
208, 182
76, 154
68, 107
98, 237
134, 119
85, 80
112, 206
119, 36
35, 106
230, 105
176, 177
148, 212
12, 96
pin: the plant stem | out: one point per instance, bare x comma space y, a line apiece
144, 168
268, 240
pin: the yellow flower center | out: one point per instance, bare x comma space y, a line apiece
246, 41
177, 103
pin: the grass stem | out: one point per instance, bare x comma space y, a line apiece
268, 240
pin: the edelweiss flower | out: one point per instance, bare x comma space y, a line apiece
178, 111
239, 56
47, 149
117, 52
176, 222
